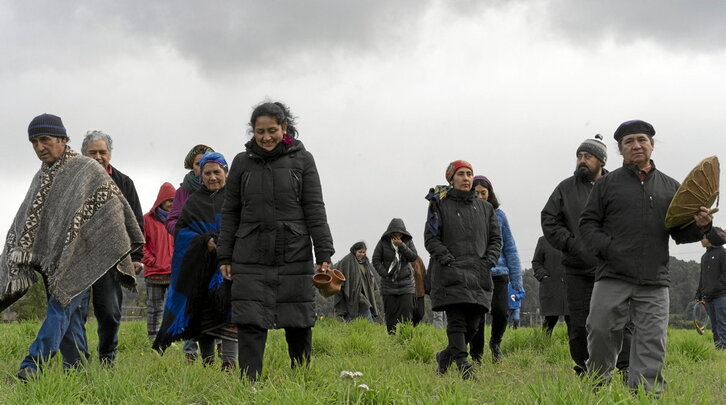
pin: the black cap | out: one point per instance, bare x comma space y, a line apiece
633, 127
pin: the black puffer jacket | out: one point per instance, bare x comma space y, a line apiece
623, 224
273, 208
712, 283
464, 247
401, 281
128, 189
561, 222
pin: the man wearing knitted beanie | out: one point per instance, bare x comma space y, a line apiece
73, 227
623, 226
560, 224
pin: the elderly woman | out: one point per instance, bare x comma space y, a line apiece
189, 185
197, 304
462, 235
273, 215
356, 298
392, 260
508, 270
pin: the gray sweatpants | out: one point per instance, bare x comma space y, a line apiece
613, 303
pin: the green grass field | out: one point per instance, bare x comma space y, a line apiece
396, 369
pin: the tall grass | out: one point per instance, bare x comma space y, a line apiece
536, 369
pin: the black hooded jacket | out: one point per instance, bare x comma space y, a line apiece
400, 279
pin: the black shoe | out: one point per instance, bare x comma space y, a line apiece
476, 359
625, 372
496, 352
579, 371
26, 374
229, 365
466, 370
442, 362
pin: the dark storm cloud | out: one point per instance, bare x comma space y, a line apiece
215, 35
231, 36
678, 25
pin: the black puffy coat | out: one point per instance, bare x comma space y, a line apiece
624, 225
273, 208
464, 246
550, 272
399, 282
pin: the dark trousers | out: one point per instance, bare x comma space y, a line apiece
398, 308
499, 318
251, 343
419, 309
463, 322
579, 294
107, 298
550, 322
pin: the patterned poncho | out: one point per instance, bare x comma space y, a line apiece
73, 226
197, 301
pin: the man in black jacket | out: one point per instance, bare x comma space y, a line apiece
560, 224
712, 287
106, 291
623, 225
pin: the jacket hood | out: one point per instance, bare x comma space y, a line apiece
166, 191
396, 225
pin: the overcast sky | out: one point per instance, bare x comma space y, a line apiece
387, 92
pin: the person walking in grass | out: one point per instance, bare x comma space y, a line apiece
189, 185
272, 218
357, 296
392, 260
73, 227
560, 224
106, 293
623, 226
712, 287
507, 271
549, 271
463, 237
197, 304
158, 251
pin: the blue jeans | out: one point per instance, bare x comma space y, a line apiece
717, 312
63, 329
107, 299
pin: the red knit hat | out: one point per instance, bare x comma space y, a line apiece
454, 167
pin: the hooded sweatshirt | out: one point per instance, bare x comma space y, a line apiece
395, 269
159, 243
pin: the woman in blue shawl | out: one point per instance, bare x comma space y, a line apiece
197, 304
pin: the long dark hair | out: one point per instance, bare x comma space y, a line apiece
277, 110
492, 197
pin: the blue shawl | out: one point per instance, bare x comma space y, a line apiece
197, 300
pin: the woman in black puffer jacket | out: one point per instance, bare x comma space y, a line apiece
392, 260
463, 237
272, 217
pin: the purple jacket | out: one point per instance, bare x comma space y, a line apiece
180, 198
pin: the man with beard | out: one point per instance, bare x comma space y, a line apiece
560, 223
